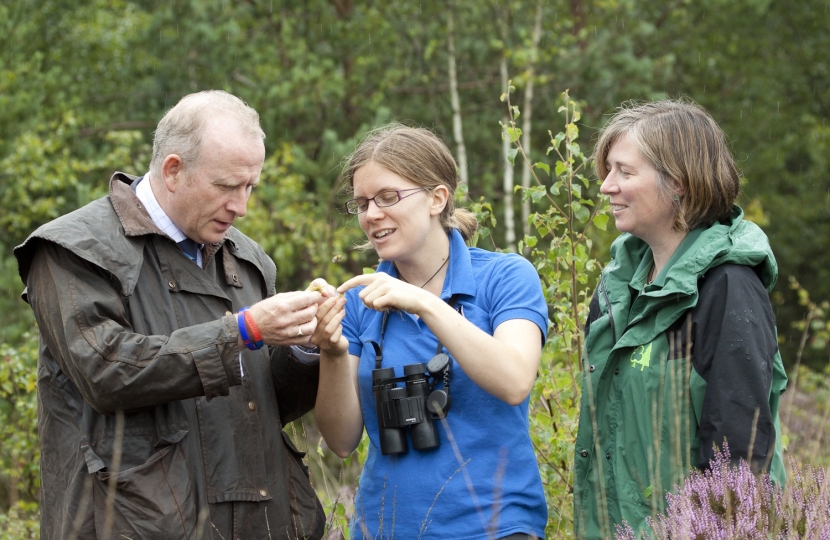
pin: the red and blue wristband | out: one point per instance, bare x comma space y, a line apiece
242, 318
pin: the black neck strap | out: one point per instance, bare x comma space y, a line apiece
379, 347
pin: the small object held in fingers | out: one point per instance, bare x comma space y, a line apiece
317, 287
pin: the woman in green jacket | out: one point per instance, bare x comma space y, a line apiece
681, 352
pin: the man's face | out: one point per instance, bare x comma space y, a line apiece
208, 196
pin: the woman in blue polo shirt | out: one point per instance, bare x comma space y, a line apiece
464, 469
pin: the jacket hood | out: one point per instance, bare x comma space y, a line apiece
731, 241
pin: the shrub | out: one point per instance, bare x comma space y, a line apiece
728, 502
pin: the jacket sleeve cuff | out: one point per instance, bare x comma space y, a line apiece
218, 365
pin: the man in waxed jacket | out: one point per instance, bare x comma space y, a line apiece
161, 399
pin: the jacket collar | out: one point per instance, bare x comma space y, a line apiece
459, 279
134, 217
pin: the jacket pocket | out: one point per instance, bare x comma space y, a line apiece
152, 500
307, 517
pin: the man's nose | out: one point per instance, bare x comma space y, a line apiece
238, 203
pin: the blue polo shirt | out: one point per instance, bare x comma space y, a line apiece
491, 487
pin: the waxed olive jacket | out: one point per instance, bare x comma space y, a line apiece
671, 368
151, 423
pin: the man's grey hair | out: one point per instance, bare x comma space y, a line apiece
182, 128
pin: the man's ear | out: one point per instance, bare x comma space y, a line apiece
440, 196
172, 172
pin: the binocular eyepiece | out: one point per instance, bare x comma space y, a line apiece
414, 406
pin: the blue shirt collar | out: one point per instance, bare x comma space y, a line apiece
459, 279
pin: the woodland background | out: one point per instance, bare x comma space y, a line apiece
83, 84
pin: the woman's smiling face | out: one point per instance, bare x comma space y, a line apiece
639, 204
399, 231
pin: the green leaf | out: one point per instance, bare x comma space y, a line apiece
601, 221
573, 132
513, 133
544, 166
516, 113
511, 155
560, 168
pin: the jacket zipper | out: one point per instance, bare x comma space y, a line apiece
610, 312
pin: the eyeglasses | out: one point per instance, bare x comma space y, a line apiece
382, 200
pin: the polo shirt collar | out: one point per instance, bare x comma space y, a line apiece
459, 279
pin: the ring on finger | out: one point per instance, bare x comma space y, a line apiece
300, 330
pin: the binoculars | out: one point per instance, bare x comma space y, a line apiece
413, 407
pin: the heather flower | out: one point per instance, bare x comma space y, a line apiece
728, 502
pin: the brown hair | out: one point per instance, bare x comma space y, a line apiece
688, 149
421, 157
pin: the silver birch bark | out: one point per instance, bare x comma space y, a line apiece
457, 131
508, 179
527, 114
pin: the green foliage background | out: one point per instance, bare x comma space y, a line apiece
83, 83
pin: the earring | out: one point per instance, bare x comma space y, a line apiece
676, 197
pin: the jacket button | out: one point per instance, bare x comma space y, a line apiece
263, 493
608, 455
584, 453
235, 278
591, 368
617, 371
252, 406
171, 284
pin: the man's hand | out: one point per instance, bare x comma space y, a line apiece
287, 318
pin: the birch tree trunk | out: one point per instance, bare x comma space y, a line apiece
507, 181
527, 114
457, 131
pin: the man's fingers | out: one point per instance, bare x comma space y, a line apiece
295, 300
322, 286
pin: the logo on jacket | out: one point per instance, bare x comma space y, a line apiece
641, 357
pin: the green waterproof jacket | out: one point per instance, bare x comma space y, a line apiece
673, 368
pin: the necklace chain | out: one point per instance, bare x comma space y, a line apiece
430, 279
